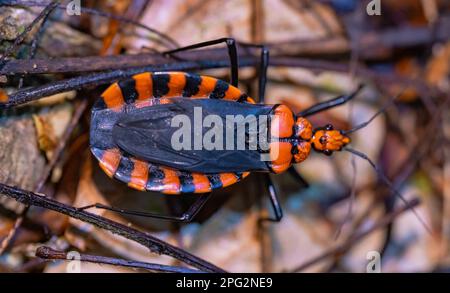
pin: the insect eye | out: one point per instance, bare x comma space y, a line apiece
329, 127
323, 140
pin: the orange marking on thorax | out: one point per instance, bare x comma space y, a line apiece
171, 182
113, 97
110, 161
176, 84
304, 149
201, 183
280, 155
227, 179
139, 175
282, 122
303, 128
206, 86
144, 85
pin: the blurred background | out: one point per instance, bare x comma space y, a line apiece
341, 221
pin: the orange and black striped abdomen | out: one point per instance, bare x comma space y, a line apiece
142, 175
145, 90
145, 86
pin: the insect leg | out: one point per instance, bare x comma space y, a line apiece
185, 217
263, 65
195, 208
319, 107
274, 201
232, 53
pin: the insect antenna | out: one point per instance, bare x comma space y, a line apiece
353, 187
388, 183
380, 111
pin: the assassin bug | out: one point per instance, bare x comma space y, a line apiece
131, 129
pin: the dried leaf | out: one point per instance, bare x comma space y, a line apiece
45, 135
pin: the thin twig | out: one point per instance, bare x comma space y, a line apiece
48, 253
79, 110
101, 78
11, 49
352, 199
357, 237
170, 43
154, 244
34, 45
416, 154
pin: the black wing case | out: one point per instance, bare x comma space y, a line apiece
147, 133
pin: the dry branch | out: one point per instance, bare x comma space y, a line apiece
48, 253
339, 249
101, 78
154, 244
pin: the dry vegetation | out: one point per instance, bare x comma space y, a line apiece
319, 49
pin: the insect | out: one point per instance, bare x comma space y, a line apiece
131, 133
115, 144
